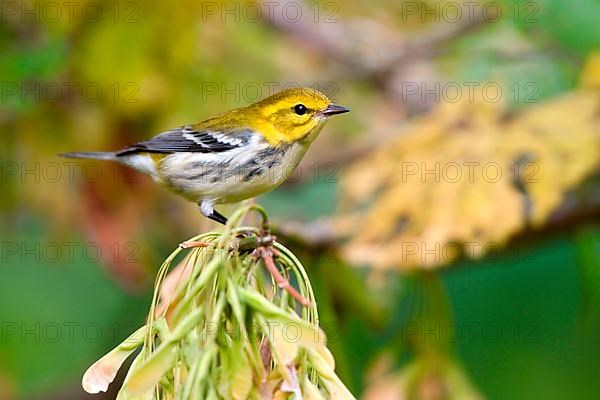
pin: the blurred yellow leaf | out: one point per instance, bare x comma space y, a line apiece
462, 180
590, 76
427, 378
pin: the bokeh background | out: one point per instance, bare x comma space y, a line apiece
449, 223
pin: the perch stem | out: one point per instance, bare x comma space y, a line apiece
267, 256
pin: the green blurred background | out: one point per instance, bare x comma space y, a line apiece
81, 241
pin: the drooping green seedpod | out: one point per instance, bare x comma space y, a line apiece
226, 323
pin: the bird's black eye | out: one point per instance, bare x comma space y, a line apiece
300, 109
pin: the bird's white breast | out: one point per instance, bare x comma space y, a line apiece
233, 175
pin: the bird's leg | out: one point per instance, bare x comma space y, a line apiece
218, 217
207, 209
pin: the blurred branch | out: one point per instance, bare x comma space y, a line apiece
366, 46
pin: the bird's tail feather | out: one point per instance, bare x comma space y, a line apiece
95, 155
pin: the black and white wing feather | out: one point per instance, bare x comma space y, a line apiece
188, 139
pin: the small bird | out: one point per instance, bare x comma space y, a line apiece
233, 156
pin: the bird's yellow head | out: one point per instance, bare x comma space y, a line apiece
295, 114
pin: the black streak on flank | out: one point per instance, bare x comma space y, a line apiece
254, 172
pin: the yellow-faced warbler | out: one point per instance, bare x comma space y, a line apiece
233, 156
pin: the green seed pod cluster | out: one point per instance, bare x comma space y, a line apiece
221, 327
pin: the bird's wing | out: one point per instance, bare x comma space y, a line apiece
188, 139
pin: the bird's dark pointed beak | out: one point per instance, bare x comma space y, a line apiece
334, 109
